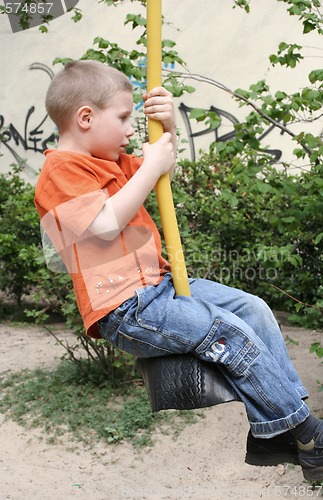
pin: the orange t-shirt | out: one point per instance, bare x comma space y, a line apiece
70, 192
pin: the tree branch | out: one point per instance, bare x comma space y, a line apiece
220, 86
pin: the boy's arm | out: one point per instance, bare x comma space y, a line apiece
119, 209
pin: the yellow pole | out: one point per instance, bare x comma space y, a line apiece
155, 130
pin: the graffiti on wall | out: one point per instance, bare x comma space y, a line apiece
224, 132
31, 137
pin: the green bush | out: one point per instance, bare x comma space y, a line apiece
19, 237
251, 226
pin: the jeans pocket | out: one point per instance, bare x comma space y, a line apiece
229, 346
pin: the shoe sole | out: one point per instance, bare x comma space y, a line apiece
312, 474
269, 460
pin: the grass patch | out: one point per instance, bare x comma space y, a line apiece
63, 401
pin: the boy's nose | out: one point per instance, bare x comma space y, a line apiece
130, 131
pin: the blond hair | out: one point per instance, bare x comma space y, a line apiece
82, 83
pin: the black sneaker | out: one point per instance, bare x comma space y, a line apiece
311, 458
280, 449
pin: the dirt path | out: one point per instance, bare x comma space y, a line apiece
206, 461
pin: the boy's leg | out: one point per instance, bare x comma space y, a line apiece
256, 314
226, 326
309, 433
212, 323
245, 340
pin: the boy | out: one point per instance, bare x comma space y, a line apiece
90, 197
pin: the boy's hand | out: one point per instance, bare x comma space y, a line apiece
159, 106
160, 155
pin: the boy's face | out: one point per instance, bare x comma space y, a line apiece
111, 128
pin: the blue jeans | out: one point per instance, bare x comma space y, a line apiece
221, 325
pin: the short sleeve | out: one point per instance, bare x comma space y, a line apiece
73, 191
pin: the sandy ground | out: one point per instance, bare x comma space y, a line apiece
206, 460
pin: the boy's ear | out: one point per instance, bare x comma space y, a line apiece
84, 117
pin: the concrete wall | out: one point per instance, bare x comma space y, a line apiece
215, 40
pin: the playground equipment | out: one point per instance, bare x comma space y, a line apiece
176, 381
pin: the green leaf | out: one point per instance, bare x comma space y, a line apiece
198, 114
308, 26
289, 219
319, 352
296, 260
282, 46
316, 75
168, 43
289, 340
62, 60
243, 93
136, 20
103, 44
318, 238
264, 187
314, 346
280, 95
